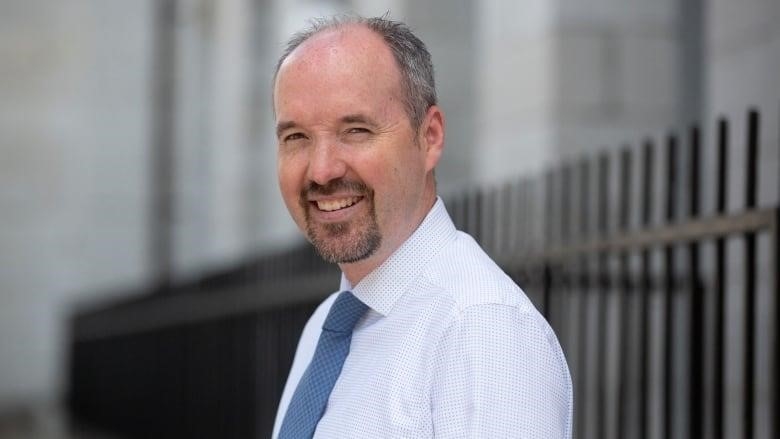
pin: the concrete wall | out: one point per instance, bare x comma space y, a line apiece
619, 73
515, 58
74, 131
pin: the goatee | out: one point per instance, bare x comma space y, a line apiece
348, 241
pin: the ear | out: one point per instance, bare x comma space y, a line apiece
432, 137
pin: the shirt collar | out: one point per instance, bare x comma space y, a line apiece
382, 288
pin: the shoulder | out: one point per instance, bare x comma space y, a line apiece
484, 303
497, 365
469, 277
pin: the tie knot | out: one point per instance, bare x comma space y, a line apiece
345, 313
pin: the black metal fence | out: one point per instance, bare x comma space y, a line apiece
663, 292
204, 360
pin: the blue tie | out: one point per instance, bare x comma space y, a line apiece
311, 396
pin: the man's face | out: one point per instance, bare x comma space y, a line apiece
351, 170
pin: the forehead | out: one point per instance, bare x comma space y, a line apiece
348, 63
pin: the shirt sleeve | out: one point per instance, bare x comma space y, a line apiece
500, 372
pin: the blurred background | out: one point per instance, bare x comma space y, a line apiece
137, 158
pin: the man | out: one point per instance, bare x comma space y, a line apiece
440, 342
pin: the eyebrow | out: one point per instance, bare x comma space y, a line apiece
358, 118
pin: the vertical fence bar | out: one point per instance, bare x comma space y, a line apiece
464, 200
520, 240
546, 288
720, 286
490, 226
549, 233
566, 199
488, 220
496, 221
507, 214
584, 283
624, 292
524, 234
483, 200
467, 208
549, 206
472, 214
775, 268
601, 294
523, 237
645, 288
520, 220
463, 210
696, 365
669, 286
566, 284
559, 266
479, 215
452, 207
751, 195
774, 234
457, 211
531, 213
469, 215
512, 218
466, 211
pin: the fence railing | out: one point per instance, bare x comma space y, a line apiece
663, 292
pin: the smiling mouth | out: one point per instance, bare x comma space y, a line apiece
336, 204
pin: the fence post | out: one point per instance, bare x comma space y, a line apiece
696, 363
645, 287
585, 284
625, 295
601, 293
751, 195
775, 267
669, 285
720, 286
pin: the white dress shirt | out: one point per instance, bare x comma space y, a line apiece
450, 347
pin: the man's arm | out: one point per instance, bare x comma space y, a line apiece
500, 372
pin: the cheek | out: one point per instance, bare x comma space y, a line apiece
289, 182
396, 185
411, 171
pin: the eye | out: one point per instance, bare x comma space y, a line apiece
358, 130
293, 136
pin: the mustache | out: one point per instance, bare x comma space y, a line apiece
334, 186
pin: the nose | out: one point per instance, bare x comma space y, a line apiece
325, 163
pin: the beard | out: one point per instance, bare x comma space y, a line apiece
348, 241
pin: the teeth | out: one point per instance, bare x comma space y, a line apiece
331, 205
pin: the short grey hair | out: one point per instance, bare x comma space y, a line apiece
410, 53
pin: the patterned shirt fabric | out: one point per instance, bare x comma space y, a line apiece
450, 347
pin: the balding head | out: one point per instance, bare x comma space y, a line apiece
412, 59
